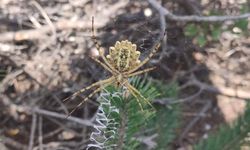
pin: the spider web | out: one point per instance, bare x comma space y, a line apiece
136, 27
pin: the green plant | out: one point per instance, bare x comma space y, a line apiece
205, 32
229, 137
122, 125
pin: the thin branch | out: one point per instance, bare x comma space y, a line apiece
231, 92
168, 101
163, 31
61, 116
32, 131
35, 34
46, 17
40, 132
52, 133
122, 130
13, 143
8, 79
195, 18
195, 120
27, 72
49, 22
7, 102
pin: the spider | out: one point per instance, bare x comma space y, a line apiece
122, 62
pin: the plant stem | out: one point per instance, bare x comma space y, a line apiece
122, 130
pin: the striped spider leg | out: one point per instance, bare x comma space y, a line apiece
122, 62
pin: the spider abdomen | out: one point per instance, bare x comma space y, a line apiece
123, 56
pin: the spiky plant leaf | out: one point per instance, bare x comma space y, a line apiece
229, 137
130, 123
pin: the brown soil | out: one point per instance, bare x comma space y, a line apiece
48, 59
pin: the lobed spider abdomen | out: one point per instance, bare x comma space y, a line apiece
123, 56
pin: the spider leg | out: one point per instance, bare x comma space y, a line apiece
138, 93
140, 72
89, 87
84, 100
102, 64
155, 49
136, 97
146, 59
101, 51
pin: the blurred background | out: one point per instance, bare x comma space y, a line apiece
44, 57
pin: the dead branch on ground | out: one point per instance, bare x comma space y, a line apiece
195, 18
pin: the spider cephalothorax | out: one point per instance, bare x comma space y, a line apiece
122, 62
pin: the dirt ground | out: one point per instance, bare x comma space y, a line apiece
45, 49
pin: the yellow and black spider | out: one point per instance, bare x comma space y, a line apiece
122, 62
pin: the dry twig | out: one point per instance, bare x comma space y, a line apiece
34, 34
195, 18
14, 143
61, 116
227, 91
40, 132
32, 131
206, 107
